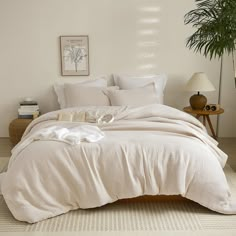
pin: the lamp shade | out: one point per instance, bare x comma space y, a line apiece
199, 82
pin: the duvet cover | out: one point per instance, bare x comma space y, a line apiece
149, 150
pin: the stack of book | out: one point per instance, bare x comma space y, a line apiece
28, 110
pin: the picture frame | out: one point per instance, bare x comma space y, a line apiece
74, 55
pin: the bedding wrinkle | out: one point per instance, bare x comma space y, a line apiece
131, 171
146, 170
190, 171
35, 200
150, 159
90, 182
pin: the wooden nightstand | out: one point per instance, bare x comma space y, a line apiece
206, 116
17, 128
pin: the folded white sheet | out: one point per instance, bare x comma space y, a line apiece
72, 135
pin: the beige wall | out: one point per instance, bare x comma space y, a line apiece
126, 36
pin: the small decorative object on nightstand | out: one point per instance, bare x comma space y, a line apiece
28, 109
199, 82
206, 116
16, 129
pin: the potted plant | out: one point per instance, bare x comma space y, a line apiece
215, 35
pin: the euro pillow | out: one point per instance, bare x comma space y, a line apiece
76, 95
134, 97
59, 88
131, 82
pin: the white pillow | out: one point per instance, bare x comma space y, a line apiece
59, 88
134, 97
76, 95
130, 82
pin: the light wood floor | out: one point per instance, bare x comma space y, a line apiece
228, 145
5, 147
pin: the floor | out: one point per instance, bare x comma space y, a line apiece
5, 147
228, 145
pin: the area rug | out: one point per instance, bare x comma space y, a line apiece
133, 218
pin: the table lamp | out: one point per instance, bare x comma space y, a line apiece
199, 82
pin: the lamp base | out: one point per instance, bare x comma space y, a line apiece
198, 101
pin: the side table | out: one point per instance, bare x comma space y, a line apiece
206, 116
16, 129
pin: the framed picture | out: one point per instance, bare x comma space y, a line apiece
74, 55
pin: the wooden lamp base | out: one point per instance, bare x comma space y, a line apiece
198, 101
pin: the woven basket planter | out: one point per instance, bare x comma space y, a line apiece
17, 128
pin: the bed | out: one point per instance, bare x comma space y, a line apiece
71, 158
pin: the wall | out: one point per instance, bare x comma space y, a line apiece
126, 36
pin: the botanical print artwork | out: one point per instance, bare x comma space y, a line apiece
74, 50
74, 58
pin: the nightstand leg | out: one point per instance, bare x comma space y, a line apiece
211, 127
198, 116
204, 120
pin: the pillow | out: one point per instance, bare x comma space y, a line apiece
59, 88
128, 82
77, 95
134, 97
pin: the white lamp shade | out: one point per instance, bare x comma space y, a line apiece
199, 82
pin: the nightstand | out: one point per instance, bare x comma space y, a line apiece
206, 116
16, 129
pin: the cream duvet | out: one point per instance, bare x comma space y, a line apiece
148, 150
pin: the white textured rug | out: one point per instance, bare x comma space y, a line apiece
137, 218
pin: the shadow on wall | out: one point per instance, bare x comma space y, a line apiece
50, 103
178, 94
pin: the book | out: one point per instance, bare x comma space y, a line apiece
28, 110
29, 115
25, 112
25, 103
25, 116
29, 107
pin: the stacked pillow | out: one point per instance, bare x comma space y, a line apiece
60, 89
77, 95
134, 97
134, 91
132, 82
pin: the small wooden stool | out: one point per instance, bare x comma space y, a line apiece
206, 116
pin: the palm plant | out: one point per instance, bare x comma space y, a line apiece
215, 35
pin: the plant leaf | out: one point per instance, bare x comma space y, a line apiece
215, 23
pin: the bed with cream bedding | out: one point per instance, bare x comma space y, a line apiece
147, 150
